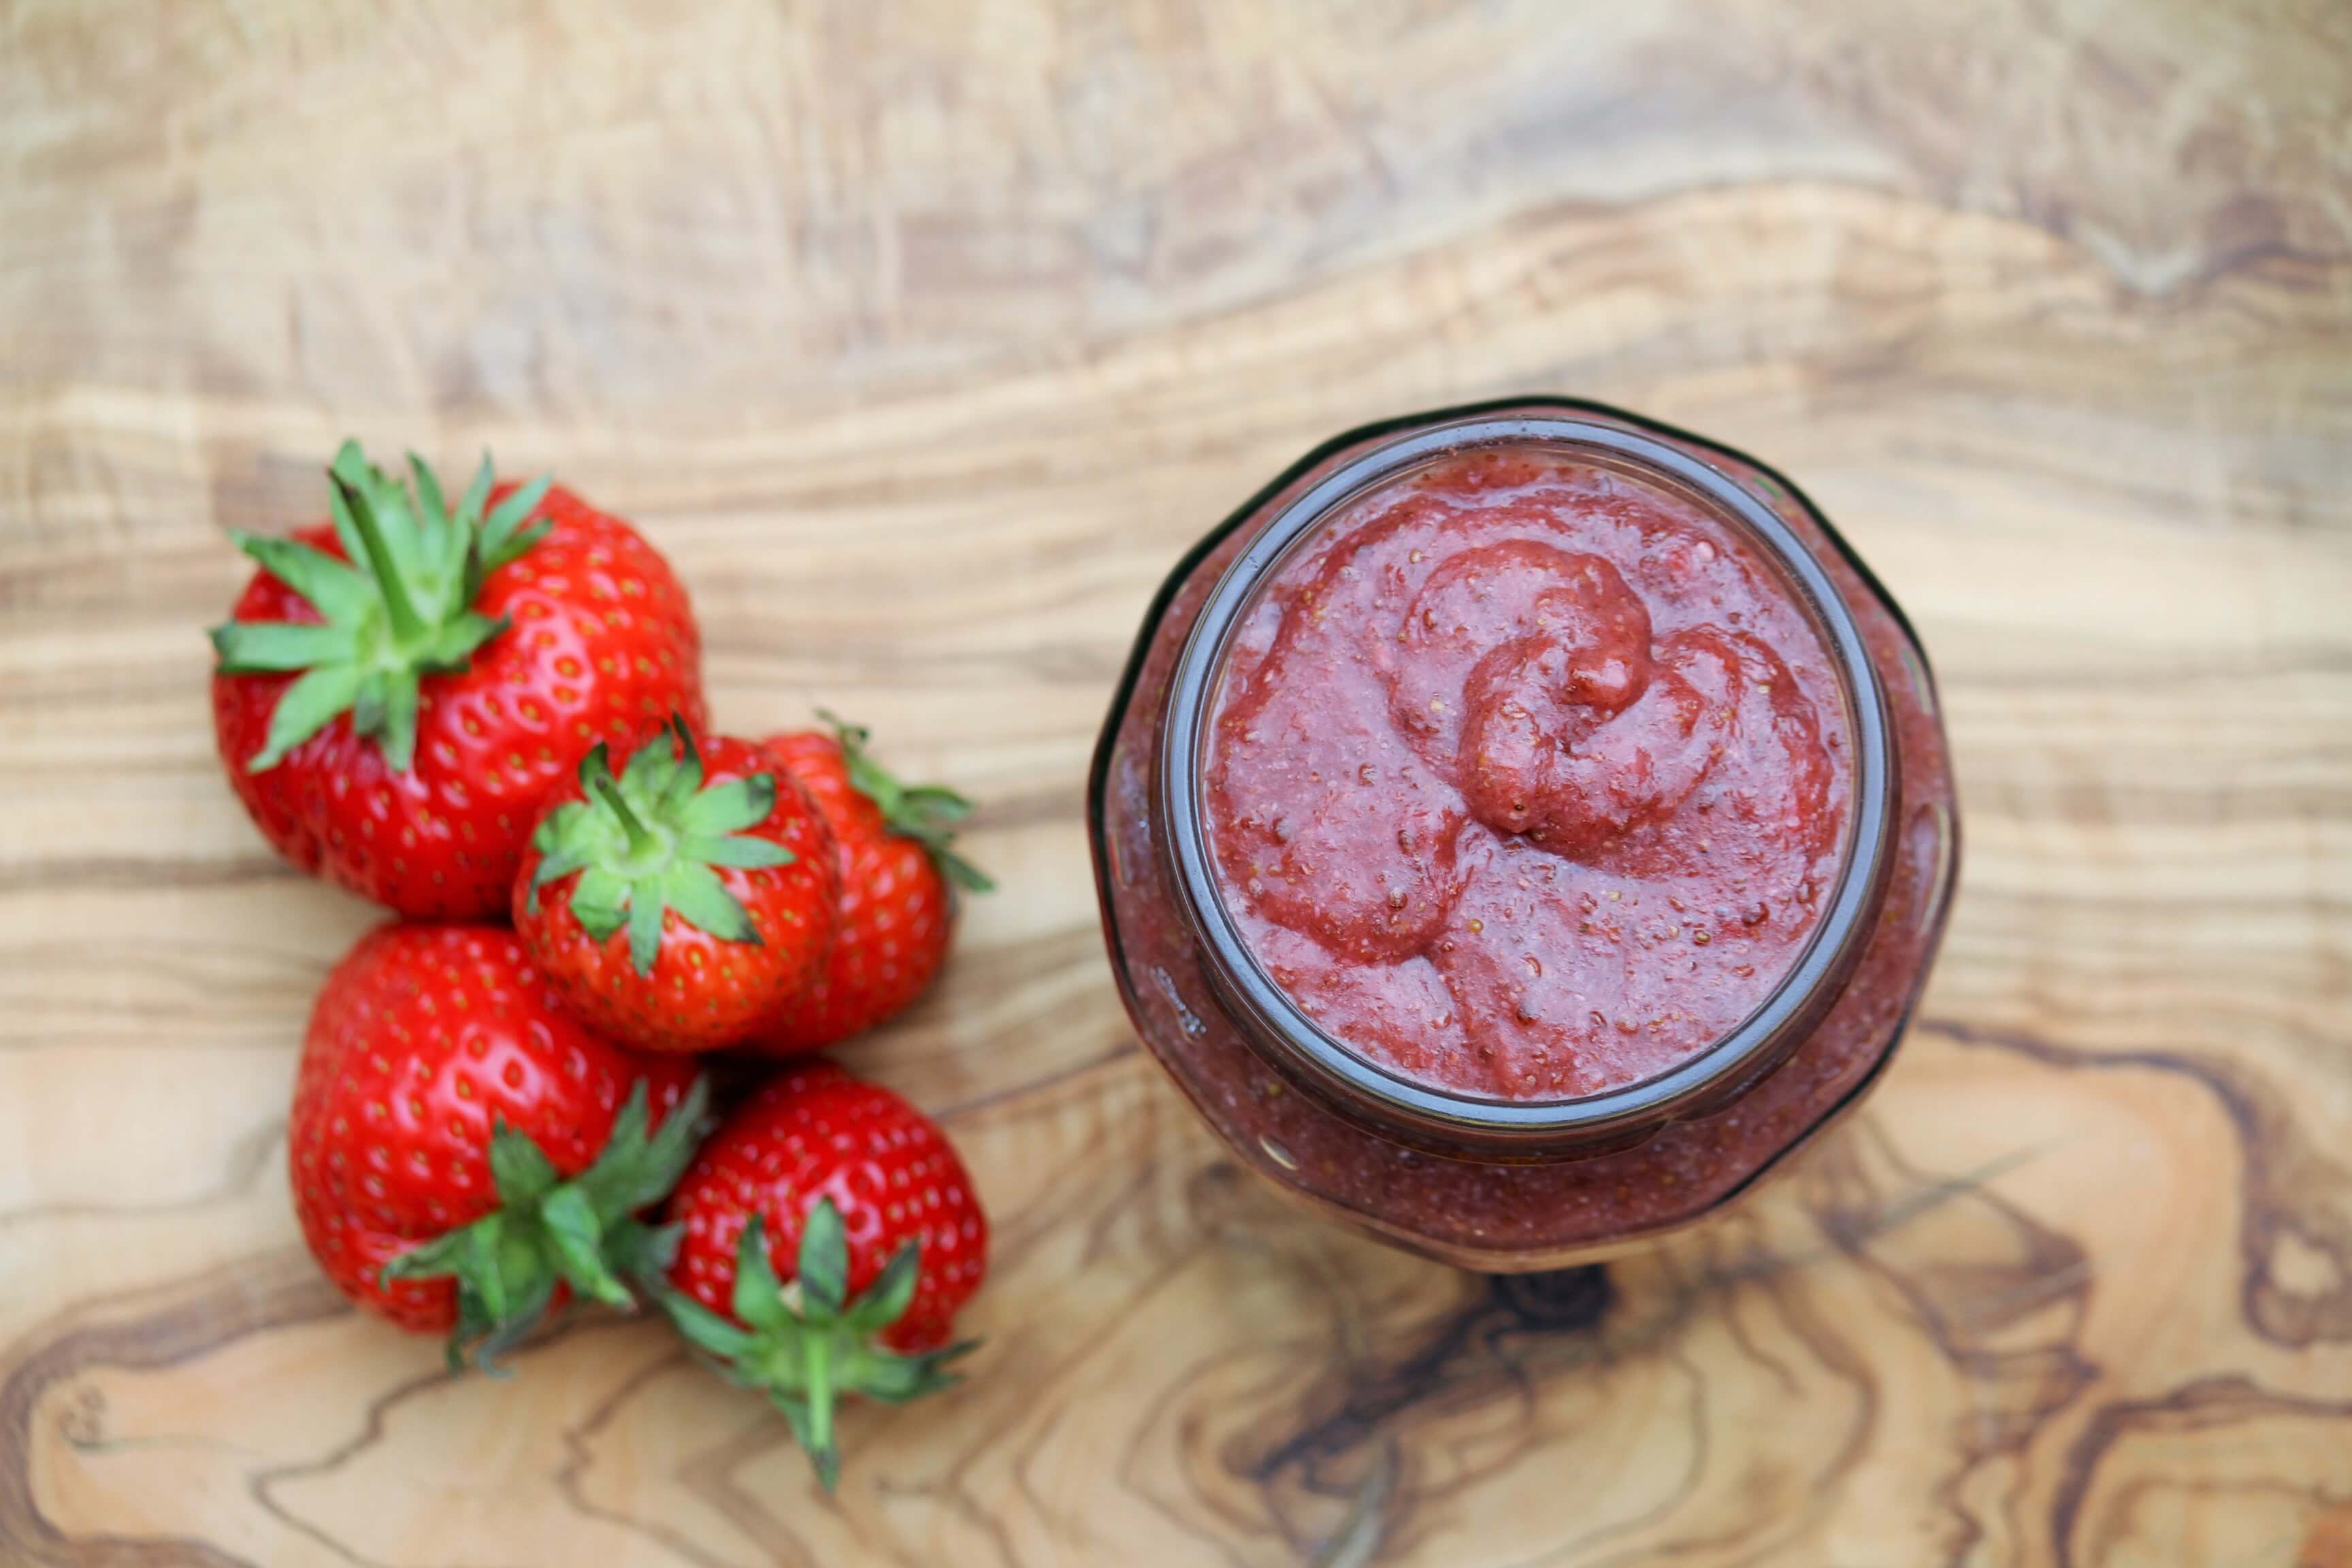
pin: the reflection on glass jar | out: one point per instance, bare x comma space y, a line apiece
1520, 827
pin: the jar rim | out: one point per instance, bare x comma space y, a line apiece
1291, 1041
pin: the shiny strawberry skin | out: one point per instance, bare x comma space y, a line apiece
704, 992
423, 1037
602, 646
814, 1133
896, 911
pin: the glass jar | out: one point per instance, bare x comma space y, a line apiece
1479, 1180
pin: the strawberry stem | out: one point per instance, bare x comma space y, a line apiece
407, 624
817, 1367
642, 841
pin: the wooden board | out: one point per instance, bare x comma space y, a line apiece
923, 337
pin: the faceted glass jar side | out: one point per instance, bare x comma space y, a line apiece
1505, 1212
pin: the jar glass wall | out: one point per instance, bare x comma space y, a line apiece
1491, 1178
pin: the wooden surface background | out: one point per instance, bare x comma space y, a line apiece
922, 337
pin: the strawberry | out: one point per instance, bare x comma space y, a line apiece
396, 694
881, 1238
897, 866
720, 869
464, 1154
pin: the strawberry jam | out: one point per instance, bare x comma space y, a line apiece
1521, 826
1526, 778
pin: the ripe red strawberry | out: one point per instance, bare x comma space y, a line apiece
397, 693
897, 912
720, 869
450, 1119
880, 1235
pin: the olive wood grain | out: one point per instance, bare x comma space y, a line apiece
923, 338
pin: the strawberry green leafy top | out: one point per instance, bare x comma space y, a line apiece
399, 606
928, 813
547, 1231
647, 842
807, 1344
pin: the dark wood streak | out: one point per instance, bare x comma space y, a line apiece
756, 650
1507, 1335
1775, 1276
1973, 1285
1472, 1353
2206, 1404
1664, 1508
711, 1476
1834, 1352
577, 1439
1058, 1078
262, 1484
1030, 808
96, 1044
2231, 670
143, 873
245, 1296
2290, 1188
1006, 969
2221, 900
2205, 803
249, 1157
